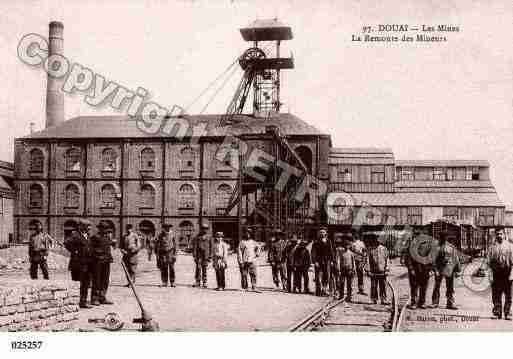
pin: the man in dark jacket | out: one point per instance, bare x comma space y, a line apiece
101, 244
288, 254
446, 265
79, 245
302, 264
322, 258
500, 260
377, 269
276, 258
165, 249
202, 253
39, 243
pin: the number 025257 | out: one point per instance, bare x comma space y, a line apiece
26, 344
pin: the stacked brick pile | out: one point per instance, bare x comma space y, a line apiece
45, 306
16, 259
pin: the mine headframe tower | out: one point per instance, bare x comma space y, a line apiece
266, 205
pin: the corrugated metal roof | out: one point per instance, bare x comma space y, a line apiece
361, 150
448, 184
441, 163
427, 199
360, 161
126, 127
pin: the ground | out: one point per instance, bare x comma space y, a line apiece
185, 308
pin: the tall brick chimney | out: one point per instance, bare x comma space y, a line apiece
54, 95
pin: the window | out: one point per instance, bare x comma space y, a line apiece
186, 196
148, 196
438, 174
37, 160
187, 159
378, 174
224, 193
486, 216
472, 174
345, 175
109, 159
73, 159
185, 233
227, 156
449, 176
450, 213
414, 215
406, 174
108, 196
147, 159
36, 196
72, 196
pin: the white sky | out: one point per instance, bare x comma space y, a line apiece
448, 100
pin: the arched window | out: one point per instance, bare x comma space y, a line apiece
147, 159
37, 160
147, 196
109, 159
111, 227
147, 228
185, 231
306, 156
223, 194
36, 196
73, 160
72, 195
186, 196
33, 223
187, 159
108, 196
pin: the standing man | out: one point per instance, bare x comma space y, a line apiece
101, 244
419, 261
346, 267
202, 252
500, 260
150, 245
322, 258
220, 259
165, 250
446, 265
302, 264
39, 244
276, 259
79, 244
288, 257
360, 253
377, 269
247, 254
130, 246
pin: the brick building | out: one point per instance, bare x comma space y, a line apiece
7, 196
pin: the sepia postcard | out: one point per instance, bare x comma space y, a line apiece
242, 166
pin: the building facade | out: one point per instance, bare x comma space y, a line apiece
7, 196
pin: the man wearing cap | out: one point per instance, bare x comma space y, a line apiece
276, 259
220, 259
500, 260
346, 266
301, 264
360, 254
165, 250
247, 253
39, 243
130, 246
202, 252
446, 265
79, 244
322, 258
377, 269
101, 244
288, 257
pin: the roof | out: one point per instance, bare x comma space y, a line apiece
367, 155
266, 30
485, 199
443, 184
441, 163
128, 127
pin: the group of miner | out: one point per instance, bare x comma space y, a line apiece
336, 262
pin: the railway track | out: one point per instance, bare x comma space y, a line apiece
359, 315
